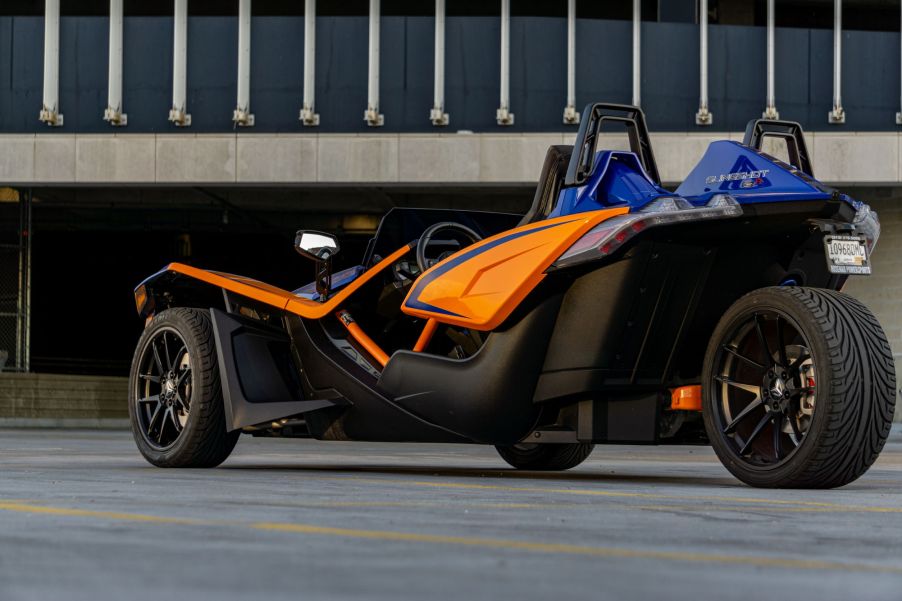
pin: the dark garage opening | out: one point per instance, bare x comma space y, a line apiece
91, 247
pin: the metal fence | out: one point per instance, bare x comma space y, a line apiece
15, 291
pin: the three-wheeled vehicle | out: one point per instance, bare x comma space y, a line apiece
613, 311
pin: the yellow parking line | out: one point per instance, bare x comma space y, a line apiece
109, 515
801, 505
562, 548
435, 504
465, 504
449, 504
713, 508
489, 543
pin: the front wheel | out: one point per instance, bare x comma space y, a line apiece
545, 457
175, 399
798, 388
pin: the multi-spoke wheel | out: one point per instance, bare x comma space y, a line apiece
798, 388
175, 403
163, 388
765, 387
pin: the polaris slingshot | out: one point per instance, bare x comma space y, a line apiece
614, 311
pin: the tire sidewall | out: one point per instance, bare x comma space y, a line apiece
780, 301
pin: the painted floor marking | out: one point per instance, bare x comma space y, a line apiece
465, 541
800, 505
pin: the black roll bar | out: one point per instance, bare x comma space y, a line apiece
582, 163
758, 129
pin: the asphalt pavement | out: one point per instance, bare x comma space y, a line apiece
82, 516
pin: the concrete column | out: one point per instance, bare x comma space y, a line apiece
242, 116
372, 116
770, 110
437, 115
50, 107
503, 115
178, 114
308, 111
837, 115
637, 52
899, 114
113, 113
571, 116
703, 116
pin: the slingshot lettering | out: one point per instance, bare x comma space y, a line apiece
740, 175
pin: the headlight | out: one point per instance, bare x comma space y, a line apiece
140, 298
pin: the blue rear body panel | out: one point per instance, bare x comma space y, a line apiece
618, 180
749, 176
727, 167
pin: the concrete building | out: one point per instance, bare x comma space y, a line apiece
132, 135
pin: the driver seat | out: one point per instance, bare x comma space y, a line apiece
557, 159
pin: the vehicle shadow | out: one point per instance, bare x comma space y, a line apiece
481, 474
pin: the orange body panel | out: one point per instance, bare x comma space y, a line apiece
481, 285
283, 299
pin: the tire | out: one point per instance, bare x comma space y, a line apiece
829, 408
545, 457
183, 424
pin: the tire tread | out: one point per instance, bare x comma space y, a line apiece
546, 457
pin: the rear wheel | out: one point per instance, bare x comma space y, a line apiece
175, 399
545, 457
798, 388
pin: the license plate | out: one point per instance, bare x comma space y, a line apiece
847, 255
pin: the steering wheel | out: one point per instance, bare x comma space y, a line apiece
427, 239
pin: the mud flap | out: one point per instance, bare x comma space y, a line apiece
259, 379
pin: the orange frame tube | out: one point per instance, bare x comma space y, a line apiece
360, 336
426, 335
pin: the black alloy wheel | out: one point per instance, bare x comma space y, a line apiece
798, 388
765, 388
163, 389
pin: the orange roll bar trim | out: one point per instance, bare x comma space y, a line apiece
426, 335
686, 398
360, 336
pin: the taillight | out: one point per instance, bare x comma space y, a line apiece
606, 237
867, 222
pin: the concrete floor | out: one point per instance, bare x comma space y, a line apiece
83, 517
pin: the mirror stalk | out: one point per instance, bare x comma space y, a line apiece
324, 278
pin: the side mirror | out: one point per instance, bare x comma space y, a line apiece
317, 246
